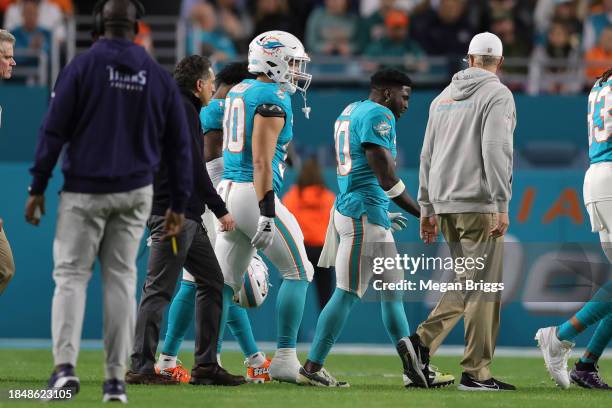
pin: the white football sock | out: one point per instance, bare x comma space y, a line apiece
219, 360
164, 361
257, 360
284, 353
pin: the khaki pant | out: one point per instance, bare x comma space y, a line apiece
468, 236
7, 265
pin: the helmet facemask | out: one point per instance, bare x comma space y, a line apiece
299, 78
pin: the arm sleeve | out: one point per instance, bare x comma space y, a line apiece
378, 130
427, 209
56, 129
497, 140
176, 145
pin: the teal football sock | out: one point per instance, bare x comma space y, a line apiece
599, 341
240, 326
228, 294
331, 321
567, 331
394, 319
593, 311
180, 317
290, 308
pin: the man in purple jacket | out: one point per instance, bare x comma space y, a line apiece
112, 112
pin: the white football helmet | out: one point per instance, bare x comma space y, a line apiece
255, 284
282, 58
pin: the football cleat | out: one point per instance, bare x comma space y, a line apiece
321, 378
588, 378
556, 353
178, 372
415, 358
437, 379
258, 375
285, 366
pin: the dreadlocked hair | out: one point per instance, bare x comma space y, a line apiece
604, 77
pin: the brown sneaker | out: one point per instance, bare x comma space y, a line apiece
133, 377
214, 374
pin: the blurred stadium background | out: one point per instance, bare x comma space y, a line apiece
554, 49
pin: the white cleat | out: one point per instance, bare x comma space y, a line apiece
321, 378
556, 353
285, 366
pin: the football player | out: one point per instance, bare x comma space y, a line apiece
365, 142
181, 311
257, 128
556, 342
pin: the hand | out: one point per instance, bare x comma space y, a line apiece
227, 223
265, 233
173, 224
500, 225
429, 229
35, 208
398, 222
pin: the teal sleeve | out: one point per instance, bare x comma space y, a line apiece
378, 129
276, 97
211, 116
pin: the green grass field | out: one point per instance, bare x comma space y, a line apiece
375, 382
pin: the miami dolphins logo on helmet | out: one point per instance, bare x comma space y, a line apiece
270, 45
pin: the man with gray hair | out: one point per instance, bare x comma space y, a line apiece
7, 62
465, 186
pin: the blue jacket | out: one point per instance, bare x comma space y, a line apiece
113, 111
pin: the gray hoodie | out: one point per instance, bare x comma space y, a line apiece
466, 161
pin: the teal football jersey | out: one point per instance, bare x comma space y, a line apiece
600, 122
211, 116
362, 122
240, 105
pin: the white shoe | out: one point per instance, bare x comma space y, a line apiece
285, 366
556, 353
321, 378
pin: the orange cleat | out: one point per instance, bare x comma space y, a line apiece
258, 375
178, 372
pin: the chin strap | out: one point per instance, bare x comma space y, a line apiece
306, 109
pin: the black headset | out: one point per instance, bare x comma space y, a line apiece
98, 27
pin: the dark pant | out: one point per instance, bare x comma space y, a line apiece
196, 254
324, 278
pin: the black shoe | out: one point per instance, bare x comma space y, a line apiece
135, 378
63, 384
214, 374
415, 358
114, 391
470, 384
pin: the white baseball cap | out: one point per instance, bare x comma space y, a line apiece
486, 44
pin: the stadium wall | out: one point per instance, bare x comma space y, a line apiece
546, 209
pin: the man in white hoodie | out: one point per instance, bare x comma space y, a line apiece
465, 186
